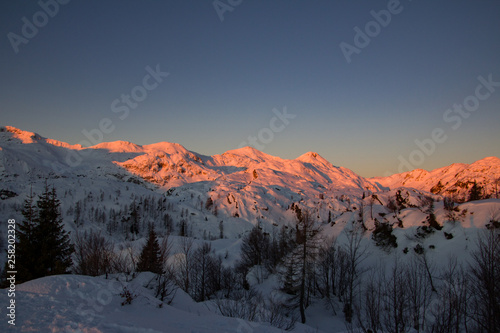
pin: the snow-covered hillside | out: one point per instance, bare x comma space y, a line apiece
73, 303
241, 188
454, 180
245, 185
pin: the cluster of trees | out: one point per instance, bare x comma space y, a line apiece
130, 220
95, 255
411, 294
43, 247
476, 192
200, 273
416, 295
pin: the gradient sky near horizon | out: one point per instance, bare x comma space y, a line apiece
226, 77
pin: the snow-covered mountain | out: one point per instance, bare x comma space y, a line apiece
454, 180
243, 184
241, 187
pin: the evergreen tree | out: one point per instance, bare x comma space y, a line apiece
475, 192
54, 243
43, 247
26, 247
134, 219
150, 259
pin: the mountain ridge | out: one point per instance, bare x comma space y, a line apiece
247, 154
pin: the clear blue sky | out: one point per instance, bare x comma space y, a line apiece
226, 77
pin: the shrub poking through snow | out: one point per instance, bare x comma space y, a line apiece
127, 296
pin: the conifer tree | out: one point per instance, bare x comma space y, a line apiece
134, 219
26, 249
475, 192
54, 242
150, 259
43, 247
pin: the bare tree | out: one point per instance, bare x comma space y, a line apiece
450, 208
202, 263
419, 293
93, 254
428, 266
355, 253
395, 298
326, 268
485, 272
184, 264
371, 308
300, 263
166, 287
450, 308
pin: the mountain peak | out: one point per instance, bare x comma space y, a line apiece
452, 180
168, 147
23, 136
249, 152
488, 160
312, 157
119, 147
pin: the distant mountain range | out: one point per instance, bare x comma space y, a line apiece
245, 183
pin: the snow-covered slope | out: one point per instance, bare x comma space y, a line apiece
454, 180
245, 186
73, 303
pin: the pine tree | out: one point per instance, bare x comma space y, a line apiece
54, 242
43, 247
134, 219
26, 247
150, 259
475, 192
